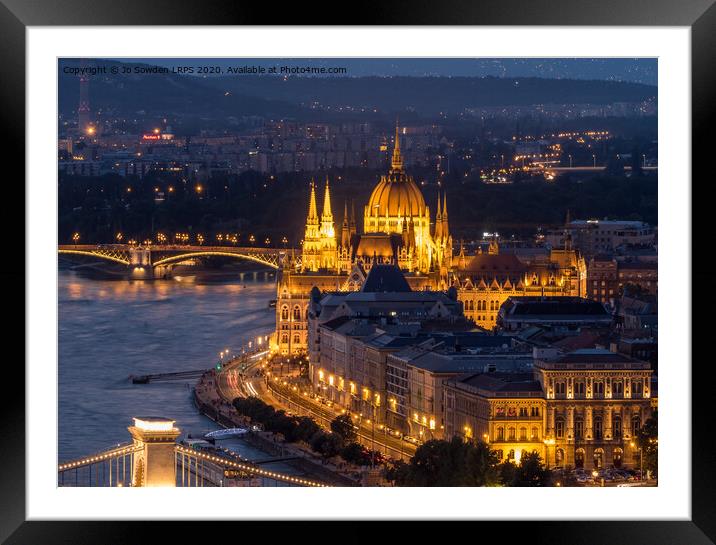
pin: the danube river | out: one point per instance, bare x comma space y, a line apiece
111, 329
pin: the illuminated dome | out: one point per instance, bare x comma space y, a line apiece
396, 194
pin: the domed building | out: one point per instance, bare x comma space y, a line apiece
396, 230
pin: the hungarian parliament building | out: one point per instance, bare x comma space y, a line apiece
397, 230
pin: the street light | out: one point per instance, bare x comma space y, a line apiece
641, 460
75, 237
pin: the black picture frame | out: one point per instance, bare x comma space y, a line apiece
699, 15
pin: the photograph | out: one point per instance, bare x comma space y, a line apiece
360, 271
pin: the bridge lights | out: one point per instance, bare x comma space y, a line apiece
75, 238
267, 241
200, 239
252, 239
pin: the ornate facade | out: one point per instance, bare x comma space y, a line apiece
487, 280
396, 230
581, 409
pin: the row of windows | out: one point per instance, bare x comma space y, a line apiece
514, 411
481, 305
597, 427
560, 388
296, 312
512, 436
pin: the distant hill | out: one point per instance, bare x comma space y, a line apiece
434, 94
213, 97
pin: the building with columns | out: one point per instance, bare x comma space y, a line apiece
581, 409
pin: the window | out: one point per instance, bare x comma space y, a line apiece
579, 389
500, 434
534, 411
510, 434
598, 389
559, 428
500, 454
296, 312
511, 454
635, 424
296, 339
578, 429
284, 312
523, 434
535, 434
617, 388
560, 389
523, 412
637, 389
617, 427
500, 411
598, 427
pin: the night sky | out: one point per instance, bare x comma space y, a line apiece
642, 70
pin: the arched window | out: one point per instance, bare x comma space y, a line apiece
284, 312
559, 457
579, 428
598, 428
636, 389
635, 424
617, 457
523, 434
535, 433
617, 389
510, 434
559, 427
598, 389
500, 434
579, 458
284, 339
617, 427
598, 458
296, 339
296, 312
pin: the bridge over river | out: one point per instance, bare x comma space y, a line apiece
152, 261
155, 458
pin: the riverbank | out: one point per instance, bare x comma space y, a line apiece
210, 403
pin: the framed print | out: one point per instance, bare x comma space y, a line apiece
406, 270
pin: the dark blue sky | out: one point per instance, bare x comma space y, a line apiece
643, 70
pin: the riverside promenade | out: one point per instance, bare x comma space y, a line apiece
210, 402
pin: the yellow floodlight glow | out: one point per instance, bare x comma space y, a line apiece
154, 425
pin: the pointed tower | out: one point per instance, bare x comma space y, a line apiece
438, 222
396, 163
446, 228
345, 228
312, 238
328, 233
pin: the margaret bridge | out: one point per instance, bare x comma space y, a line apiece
157, 261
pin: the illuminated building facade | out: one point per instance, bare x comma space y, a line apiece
582, 409
396, 230
486, 280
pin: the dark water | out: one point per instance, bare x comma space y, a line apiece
110, 329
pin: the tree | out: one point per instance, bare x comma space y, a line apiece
648, 440
448, 463
530, 471
344, 428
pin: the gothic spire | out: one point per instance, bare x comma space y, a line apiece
397, 162
327, 213
312, 208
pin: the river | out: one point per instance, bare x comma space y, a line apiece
110, 329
